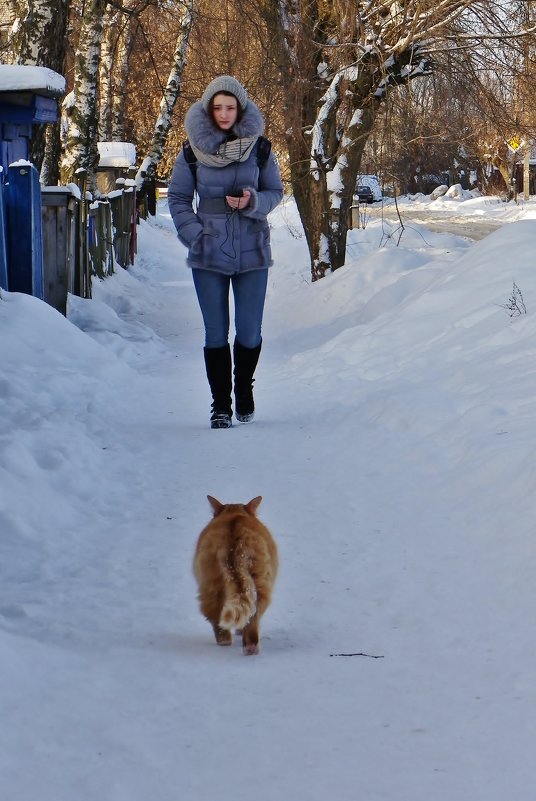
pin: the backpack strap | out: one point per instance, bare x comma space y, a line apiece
264, 148
190, 158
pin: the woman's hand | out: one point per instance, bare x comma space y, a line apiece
239, 202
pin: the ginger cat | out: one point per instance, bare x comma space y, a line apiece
235, 565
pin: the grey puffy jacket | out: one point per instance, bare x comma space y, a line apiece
217, 238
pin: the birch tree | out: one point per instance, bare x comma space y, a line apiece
112, 22
80, 106
116, 49
147, 171
339, 59
38, 37
120, 77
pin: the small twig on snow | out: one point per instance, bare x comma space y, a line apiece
516, 305
369, 656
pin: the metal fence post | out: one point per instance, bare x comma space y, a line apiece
24, 237
3, 254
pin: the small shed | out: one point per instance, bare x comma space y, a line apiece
520, 170
28, 96
115, 161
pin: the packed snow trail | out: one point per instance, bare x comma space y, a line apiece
385, 446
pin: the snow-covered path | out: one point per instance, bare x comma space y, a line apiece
391, 455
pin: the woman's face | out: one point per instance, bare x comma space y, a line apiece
224, 111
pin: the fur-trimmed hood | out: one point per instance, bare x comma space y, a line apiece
222, 242
206, 137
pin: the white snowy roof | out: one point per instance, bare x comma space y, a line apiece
24, 78
116, 154
520, 157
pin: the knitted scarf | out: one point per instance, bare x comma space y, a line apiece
227, 152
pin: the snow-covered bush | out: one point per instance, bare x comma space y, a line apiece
439, 191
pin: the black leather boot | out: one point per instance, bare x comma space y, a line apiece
218, 366
245, 362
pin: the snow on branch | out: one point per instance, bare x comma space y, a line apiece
335, 180
329, 100
396, 73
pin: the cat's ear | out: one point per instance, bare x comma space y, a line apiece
253, 505
216, 505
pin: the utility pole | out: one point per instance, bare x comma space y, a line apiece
526, 172
525, 95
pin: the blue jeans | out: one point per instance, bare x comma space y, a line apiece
249, 290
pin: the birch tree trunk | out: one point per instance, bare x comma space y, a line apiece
80, 106
147, 171
39, 37
38, 32
112, 20
120, 77
113, 72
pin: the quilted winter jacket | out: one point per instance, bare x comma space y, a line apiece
218, 239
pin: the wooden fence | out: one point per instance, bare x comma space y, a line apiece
3, 251
69, 238
62, 246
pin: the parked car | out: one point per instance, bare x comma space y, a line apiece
364, 194
363, 184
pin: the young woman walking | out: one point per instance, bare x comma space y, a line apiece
230, 166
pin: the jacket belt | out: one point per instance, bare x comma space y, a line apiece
214, 205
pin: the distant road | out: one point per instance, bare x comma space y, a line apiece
472, 227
